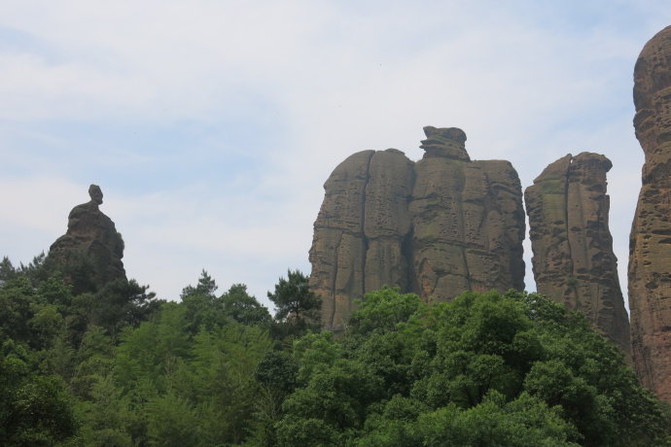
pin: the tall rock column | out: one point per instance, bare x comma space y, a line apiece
650, 241
467, 220
573, 259
360, 231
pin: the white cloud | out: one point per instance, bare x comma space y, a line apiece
280, 93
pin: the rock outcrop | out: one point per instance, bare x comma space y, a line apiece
650, 241
90, 252
439, 227
467, 220
573, 259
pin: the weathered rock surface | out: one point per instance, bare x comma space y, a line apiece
467, 221
650, 241
360, 231
437, 228
573, 259
91, 244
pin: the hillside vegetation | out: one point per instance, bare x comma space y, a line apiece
119, 367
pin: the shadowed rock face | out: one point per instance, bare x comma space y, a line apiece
91, 243
650, 241
573, 260
437, 228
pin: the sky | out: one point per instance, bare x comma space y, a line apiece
211, 125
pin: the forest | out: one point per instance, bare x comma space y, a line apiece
117, 366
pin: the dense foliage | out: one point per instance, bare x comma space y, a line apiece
483, 370
117, 367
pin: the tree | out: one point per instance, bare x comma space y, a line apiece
202, 307
206, 287
297, 308
244, 308
7, 270
511, 369
35, 409
117, 304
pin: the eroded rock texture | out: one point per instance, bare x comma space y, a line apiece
467, 221
437, 228
573, 259
90, 251
650, 241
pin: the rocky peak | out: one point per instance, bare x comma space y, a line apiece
448, 142
650, 241
90, 251
438, 227
573, 259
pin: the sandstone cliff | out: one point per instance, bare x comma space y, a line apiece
90, 252
438, 227
650, 241
467, 221
573, 259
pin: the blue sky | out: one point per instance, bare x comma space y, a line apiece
211, 126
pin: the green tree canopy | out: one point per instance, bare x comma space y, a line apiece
511, 369
297, 308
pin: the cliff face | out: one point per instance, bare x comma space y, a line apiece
90, 251
650, 241
437, 228
573, 259
467, 221
360, 231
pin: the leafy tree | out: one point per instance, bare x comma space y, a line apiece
277, 377
7, 270
173, 421
244, 308
206, 287
17, 298
297, 308
485, 369
117, 304
35, 409
203, 308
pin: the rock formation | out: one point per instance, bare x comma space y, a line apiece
437, 228
91, 247
573, 260
650, 241
467, 220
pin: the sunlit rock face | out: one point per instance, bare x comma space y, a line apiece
650, 241
438, 227
91, 246
573, 259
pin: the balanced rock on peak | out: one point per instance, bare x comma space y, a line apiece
449, 142
90, 252
438, 227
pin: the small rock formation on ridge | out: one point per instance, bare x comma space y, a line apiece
650, 241
438, 227
91, 245
573, 260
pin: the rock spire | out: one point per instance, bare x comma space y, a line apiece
573, 259
90, 252
650, 241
